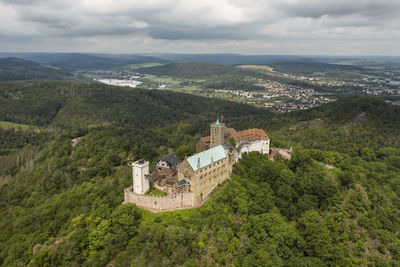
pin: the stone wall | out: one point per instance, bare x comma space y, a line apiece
156, 204
201, 146
285, 153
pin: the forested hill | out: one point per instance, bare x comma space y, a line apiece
13, 69
70, 104
352, 109
195, 70
311, 67
335, 203
211, 75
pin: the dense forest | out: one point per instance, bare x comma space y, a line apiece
13, 69
81, 105
335, 203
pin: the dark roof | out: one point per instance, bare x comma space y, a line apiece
172, 159
228, 146
182, 183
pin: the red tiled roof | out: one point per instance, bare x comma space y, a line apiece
206, 139
251, 134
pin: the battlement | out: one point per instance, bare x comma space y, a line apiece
184, 200
140, 163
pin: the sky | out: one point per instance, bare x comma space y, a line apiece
302, 27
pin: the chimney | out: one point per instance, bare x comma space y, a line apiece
198, 163
212, 160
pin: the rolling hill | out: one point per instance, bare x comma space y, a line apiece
12, 69
312, 67
71, 104
193, 70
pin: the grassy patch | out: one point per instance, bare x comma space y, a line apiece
144, 65
16, 126
257, 67
155, 192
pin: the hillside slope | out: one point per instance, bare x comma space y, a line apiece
211, 75
70, 104
196, 70
61, 205
312, 67
13, 69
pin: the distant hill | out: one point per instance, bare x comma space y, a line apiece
12, 69
191, 70
73, 62
71, 104
82, 61
217, 76
236, 59
312, 67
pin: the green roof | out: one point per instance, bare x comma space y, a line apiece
217, 122
216, 153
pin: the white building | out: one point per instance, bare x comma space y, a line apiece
251, 140
140, 169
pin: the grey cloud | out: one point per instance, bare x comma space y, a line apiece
198, 33
287, 24
340, 8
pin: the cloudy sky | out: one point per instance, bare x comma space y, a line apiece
313, 27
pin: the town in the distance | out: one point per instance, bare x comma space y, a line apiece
278, 87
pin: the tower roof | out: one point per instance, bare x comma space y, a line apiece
217, 122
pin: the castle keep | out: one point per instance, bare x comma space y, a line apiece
189, 183
246, 141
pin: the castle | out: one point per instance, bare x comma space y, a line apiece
189, 183
246, 141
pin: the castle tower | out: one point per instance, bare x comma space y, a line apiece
140, 170
217, 134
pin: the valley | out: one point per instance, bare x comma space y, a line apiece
67, 148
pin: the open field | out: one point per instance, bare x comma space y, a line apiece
144, 65
257, 67
12, 125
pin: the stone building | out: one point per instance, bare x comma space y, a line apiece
197, 177
202, 172
166, 168
203, 144
140, 174
246, 141
218, 134
251, 140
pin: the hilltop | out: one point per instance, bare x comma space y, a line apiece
12, 69
82, 61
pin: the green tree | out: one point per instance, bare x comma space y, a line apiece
184, 151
